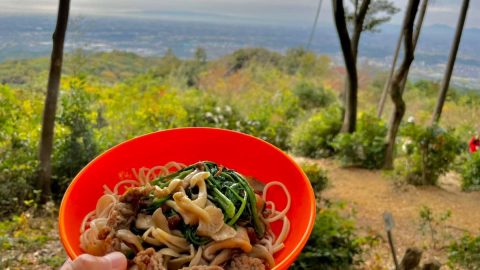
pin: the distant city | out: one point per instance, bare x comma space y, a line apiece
30, 36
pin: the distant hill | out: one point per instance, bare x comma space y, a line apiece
26, 37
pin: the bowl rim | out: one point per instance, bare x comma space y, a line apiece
286, 262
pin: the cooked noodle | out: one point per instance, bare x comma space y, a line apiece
122, 221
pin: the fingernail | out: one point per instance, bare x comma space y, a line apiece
118, 260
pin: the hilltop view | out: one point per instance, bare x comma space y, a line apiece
392, 155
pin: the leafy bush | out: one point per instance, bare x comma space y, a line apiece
432, 224
366, 146
77, 146
465, 252
314, 137
317, 175
312, 96
333, 243
431, 152
274, 118
18, 150
243, 57
471, 172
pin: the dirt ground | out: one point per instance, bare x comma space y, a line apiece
372, 193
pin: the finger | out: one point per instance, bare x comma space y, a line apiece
112, 261
67, 265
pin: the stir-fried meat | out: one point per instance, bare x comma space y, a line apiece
148, 259
134, 195
173, 222
252, 235
243, 262
121, 216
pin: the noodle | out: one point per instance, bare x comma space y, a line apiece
186, 213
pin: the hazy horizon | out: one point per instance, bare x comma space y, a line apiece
274, 12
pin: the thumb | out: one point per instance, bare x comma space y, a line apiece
111, 261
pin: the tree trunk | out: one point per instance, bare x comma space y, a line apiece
350, 51
46, 140
358, 27
418, 27
432, 265
451, 62
411, 259
395, 93
381, 104
351, 85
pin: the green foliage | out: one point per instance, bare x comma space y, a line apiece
470, 171
243, 57
465, 252
203, 110
430, 152
431, 223
18, 160
379, 12
314, 137
311, 96
273, 118
366, 146
189, 70
303, 62
333, 243
317, 175
77, 146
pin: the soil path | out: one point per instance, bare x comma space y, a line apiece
372, 193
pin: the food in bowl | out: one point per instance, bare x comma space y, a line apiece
176, 216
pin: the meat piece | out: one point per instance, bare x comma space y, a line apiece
121, 217
203, 267
243, 262
252, 235
134, 195
148, 259
173, 222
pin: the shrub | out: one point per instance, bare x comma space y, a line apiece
465, 252
76, 145
317, 175
431, 152
313, 138
272, 117
18, 150
366, 146
312, 96
470, 171
333, 243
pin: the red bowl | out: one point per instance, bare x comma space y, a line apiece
248, 155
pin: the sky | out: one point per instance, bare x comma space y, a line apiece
277, 12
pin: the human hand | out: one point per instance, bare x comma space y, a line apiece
111, 261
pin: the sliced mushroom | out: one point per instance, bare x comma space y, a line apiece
210, 218
240, 241
143, 221
159, 220
261, 252
199, 180
128, 237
